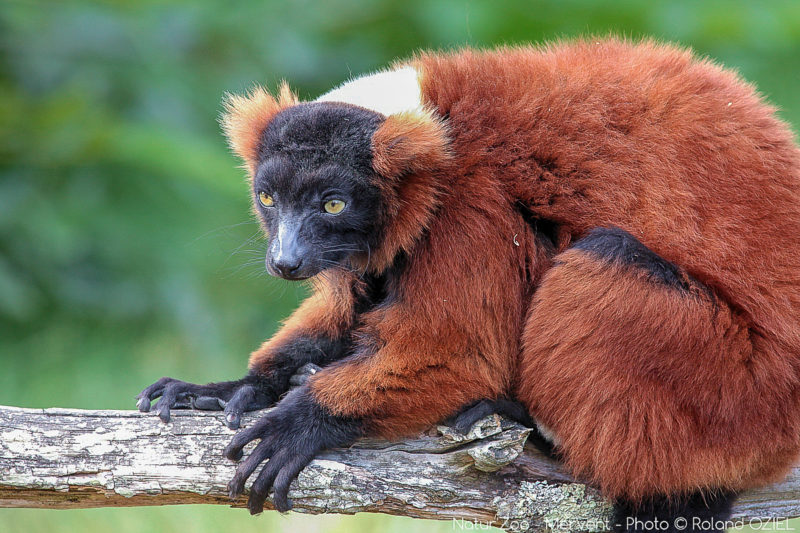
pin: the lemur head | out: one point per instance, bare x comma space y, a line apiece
345, 181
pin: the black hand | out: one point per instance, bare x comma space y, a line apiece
235, 397
291, 436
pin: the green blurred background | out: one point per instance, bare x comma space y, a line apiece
127, 248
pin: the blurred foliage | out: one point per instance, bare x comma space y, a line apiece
127, 248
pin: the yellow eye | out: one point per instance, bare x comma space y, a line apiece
265, 199
334, 207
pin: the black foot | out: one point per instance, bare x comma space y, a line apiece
291, 435
234, 397
510, 409
693, 513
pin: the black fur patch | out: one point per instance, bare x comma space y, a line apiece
546, 230
309, 154
693, 513
381, 290
316, 133
614, 244
301, 350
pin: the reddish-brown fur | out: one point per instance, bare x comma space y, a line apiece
406, 149
246, 117
649, 390
328, 311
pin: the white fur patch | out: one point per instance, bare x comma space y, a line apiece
387, 92
547, 433
281, 233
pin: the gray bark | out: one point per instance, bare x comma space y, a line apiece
68, 458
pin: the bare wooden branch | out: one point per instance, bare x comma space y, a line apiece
67, 458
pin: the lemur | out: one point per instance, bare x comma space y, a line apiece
605, 231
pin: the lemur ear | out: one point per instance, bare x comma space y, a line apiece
246, 116
409, 141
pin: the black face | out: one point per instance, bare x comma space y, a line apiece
314, 188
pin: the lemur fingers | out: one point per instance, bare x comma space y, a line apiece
234, 397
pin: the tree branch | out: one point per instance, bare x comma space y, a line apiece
68, 458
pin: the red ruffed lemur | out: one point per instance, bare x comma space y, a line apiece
607, 232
